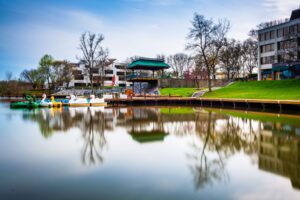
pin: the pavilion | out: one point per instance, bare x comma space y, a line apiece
146, 71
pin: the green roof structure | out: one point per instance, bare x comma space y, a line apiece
148, 64
148, 136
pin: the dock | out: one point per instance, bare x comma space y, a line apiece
255, 104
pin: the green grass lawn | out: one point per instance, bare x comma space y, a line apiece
183, 92
179, 110
284, 89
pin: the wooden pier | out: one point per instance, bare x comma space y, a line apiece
255, 104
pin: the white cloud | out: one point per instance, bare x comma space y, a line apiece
60, 38
280, 8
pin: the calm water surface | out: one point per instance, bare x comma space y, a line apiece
148, 153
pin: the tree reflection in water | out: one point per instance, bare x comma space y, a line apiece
90, 121
215, 136
92, 128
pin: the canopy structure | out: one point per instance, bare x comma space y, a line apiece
148, 136
148, 64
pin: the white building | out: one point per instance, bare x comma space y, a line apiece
279, 45
114, 74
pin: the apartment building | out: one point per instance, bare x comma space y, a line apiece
114, 74
279, 49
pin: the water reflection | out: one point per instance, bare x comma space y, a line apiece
270, 141
279, 151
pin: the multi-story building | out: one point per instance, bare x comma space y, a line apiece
279, 49
114, 74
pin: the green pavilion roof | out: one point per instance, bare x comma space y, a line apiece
147, 63
148, 136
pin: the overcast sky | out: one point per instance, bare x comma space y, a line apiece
31, 28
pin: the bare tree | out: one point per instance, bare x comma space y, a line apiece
230, 57
207, 39
179, 63
64, 73
93, 54
161, 57
34, 77
249, 55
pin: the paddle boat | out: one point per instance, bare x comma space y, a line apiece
55, 103
44, 102
78, 101
97, 101
30, 103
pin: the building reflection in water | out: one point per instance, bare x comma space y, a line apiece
270, 141
279, 151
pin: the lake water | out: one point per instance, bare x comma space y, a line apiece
148, 153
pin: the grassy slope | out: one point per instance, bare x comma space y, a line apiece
184, 92
284, 89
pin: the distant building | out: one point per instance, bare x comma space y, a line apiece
114, 74
279, 52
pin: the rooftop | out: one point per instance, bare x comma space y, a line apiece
295, 14
148, 64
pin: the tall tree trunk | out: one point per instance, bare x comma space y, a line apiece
209, 79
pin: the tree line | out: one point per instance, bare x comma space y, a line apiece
211, 52
60, 73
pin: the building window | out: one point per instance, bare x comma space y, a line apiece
272, 34
262, 37
120, 73
109, 71
121, 78
108, 78
95, 71
267, 35
267, 60
293, 29
280, 32
78, 77
286, 31
267, 48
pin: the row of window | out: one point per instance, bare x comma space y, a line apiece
287, 44
111, 72
281, 58
267, 48
286, 31
267, 60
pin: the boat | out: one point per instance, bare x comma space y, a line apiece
78, 101
97, 101
29, 103
44, 102
55, 103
